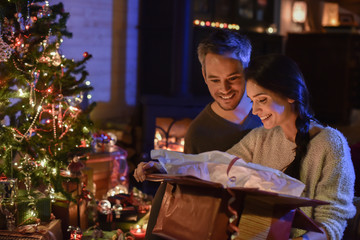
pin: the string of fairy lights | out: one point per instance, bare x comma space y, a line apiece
203, 23
272, 29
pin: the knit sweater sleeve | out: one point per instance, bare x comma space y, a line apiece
246, 147
335, 184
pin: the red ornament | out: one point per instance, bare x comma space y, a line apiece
3, 177
75, 167
85, 54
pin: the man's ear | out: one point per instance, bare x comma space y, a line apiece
291, 100
203, 73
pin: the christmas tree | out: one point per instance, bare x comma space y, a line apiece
45, 123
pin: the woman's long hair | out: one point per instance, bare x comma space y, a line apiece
282, 76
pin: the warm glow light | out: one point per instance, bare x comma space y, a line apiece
216, 24
299, 11
158, 135
330, 14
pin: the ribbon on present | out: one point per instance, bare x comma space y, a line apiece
234, 215
31, 228
85, 194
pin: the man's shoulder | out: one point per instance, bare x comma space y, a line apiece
204, 116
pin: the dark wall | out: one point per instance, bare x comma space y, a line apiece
168, 63
155, 46
330, 63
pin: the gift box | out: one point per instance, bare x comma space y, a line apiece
23, 210
24, 213
49, 230
70, 213
122, 209
8, 188
7, 208
195, 207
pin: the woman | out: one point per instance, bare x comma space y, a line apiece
291, 140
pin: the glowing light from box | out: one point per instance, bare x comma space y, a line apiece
202, 23
330, 15
299, 11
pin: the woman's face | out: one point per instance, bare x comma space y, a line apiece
273, 110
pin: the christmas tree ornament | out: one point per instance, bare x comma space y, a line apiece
5, 51
104, 207
117, 208
20, 20
75, 167
75, 100
32, 95
56, 58
8, 188
27, 166
75, 233
46, 9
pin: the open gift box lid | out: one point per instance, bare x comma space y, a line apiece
269, 213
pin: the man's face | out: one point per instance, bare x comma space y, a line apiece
225, 79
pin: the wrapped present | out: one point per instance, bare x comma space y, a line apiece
70, 213
27, 213
7, 215
122, 208
252, 213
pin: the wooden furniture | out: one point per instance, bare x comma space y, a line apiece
330, 63
108, 169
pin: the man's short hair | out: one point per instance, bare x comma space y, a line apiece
224, 41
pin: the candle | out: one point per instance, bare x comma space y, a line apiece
138, 232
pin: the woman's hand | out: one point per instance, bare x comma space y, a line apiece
145, 168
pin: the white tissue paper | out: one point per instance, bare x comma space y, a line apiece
213, 165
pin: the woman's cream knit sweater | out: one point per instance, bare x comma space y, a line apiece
327, 171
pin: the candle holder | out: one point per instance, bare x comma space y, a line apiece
138, 232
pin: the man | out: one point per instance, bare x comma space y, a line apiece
224, 122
